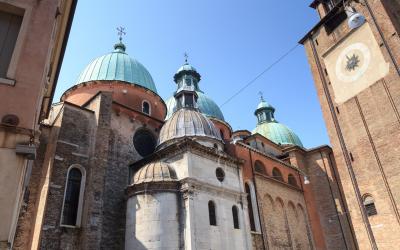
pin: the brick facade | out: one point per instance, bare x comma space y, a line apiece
362, 130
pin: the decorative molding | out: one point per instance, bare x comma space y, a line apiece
190, 184
187, 145
152, 187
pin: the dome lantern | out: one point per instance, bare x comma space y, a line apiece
187, 120
188, 75
271, 129
264, 112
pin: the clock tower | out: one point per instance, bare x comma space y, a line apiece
354, 55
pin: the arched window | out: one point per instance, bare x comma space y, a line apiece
250, 207
276, 173
259, 167
369, 205
235, 215
146, 107
221, 133
73, 196
292, 180
211, 213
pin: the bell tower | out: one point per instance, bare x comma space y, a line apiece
354, 54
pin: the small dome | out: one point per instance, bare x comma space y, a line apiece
188, 123
186, 67
264, 104
278, 133
117, 65
154, 172
205, 104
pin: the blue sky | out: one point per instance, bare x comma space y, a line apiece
229, 42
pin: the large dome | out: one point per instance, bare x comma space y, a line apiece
117, 65
205, 104
188, 123
278, 133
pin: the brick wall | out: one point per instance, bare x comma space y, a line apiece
363, 129
283, 214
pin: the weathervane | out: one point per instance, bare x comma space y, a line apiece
261, 95
186, 57
121, 32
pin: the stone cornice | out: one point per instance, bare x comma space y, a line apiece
190, 185
84, 84
152, 187
187, 145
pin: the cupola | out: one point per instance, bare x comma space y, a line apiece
187, 120
188, 75
270, 128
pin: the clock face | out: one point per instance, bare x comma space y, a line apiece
352, 62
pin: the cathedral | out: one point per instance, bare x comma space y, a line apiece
114, 166
120, 168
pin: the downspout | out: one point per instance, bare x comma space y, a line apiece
258, 206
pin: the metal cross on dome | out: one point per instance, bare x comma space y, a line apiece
121, 32
186, 57
261, 95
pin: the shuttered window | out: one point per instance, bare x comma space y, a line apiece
10, 25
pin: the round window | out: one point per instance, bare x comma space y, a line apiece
144, 142
219, 172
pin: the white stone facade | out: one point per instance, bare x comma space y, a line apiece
164, 219
152, 222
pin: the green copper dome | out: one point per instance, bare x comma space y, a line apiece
187, 74
117, 65
278, 133
206, 106
273, 130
